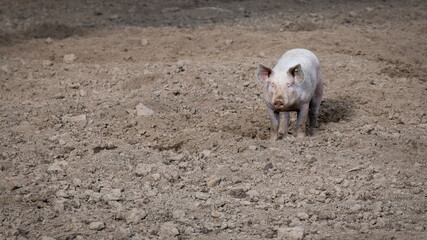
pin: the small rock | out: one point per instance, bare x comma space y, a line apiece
262, 54
177, 214
202, 196
302, 216
113, 195
252, 147
369, 9
355, 208
47, 63
114, 17
252, 193
143, 169
58, 205
96, 226
206, 153
59, 96
228, 42
82, 93
142, 110
57, 167
420, 228
296, 233
135, 216
14, 184
145, 42
61, 194
69, 58
48, 40
168, 230
78, 118
353, 14
214, 181
5, 68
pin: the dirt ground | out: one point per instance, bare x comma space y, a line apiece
143, 120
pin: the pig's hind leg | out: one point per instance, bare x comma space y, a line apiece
316, 100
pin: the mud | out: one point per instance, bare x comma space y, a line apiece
156, 127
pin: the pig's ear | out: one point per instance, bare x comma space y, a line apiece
263, 74
297, 73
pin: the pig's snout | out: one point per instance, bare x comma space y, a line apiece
279, 105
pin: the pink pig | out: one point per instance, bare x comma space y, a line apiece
294, 84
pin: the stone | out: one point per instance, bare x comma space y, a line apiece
252, 147
57, 167
213, 181
69, 58
142, 110
228, 42
177, 214
47, 63
168, 230
145, 42
143, 169
295, 233
206, 153
252, 193
201, 195
96, 226
113, 195
302, 216
135, 216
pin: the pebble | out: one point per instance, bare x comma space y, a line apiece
135, 216
47, 63
177, 214
252, 193
228, 42
145, 42
14, 184
302, 216
355, 207
143, 169
214, 181
57, 167
96, 226
61, 194
252, 147
168, 230
296, 233
202, 196
69, 58
142, 110
113, 195
206, 153
78, 118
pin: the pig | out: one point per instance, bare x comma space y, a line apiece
294, 84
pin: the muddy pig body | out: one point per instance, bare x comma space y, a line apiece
294, 84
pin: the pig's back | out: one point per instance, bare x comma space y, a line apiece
306, 58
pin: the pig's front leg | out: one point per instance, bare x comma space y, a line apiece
284, 123
301, 118
274, 119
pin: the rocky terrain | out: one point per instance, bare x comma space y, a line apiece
144, 120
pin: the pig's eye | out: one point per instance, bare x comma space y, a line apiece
273, 86
288, 86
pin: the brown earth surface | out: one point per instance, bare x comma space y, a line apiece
143, 120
